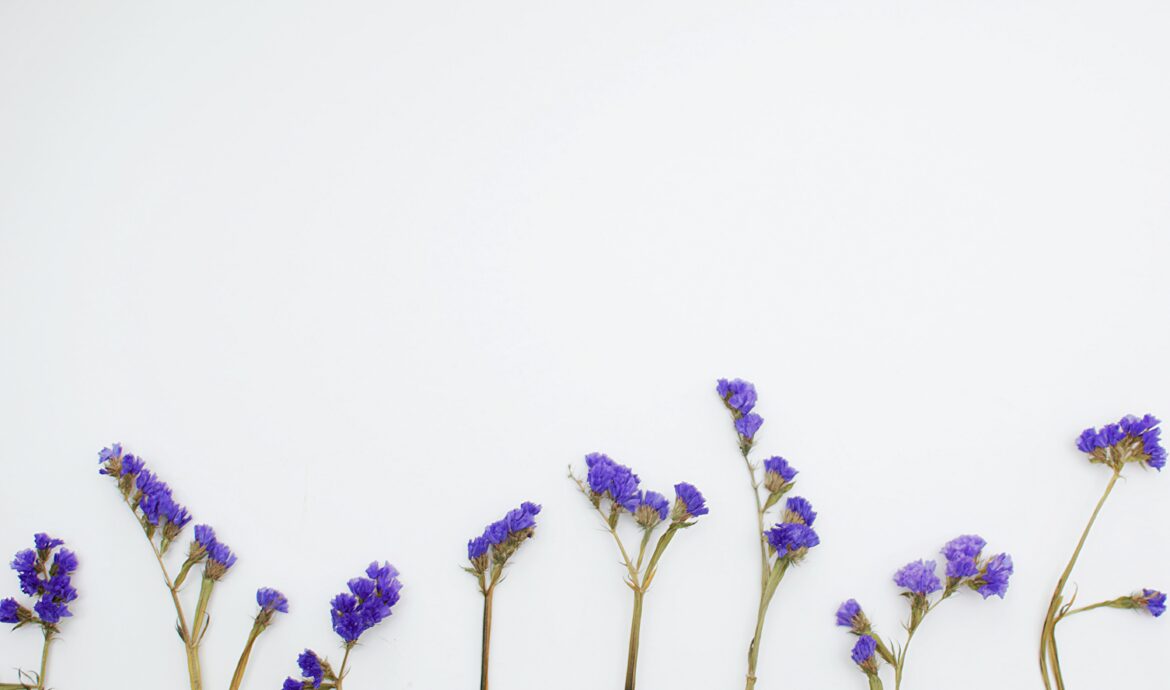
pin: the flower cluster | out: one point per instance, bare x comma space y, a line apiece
740, 397
314, 671
793, 536
46, 576
1153, 601
1132, 439
502, 538
367, 603
270, 602
608, 480
150, 497
966, 566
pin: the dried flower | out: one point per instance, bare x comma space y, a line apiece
367, 603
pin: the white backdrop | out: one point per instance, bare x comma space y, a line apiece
356, 277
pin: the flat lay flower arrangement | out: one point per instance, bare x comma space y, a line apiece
642, 524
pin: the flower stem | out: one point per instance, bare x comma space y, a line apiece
764, 570
487, 636
44, 658
875, 683
1048, 651
635, 632
775, 575
344, 661
238, 676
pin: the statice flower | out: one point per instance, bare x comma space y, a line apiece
965, 566
737, 394
792, 541
604, 479
688, 502
649, 508
220, 559
778, 474
608, 479
863, 654
271, 600
1133, 439
918, 577
748, 425
367, 603
789, 540
993, 576
1153, 602
490, 553
44, 574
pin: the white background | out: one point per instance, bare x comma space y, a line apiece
358, 277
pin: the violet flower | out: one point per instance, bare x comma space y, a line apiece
788, 541
489, 553
45, 574
967, 567
613, 491
1130, 440
369, 600
162, 520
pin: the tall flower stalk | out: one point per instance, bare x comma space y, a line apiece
162, 520
787, 543
924, 591
368, 602
1130, 440
45, 573
489, 553
612, 490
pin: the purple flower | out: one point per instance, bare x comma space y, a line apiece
607, 477
962, 554
1131, 439
918, 577
9, 611
1153, 601
994, 575
221, 554
204, 536
131, 465
863, 651
311, 668
522, 518
496, 533
477, 547
737, 394
850, 615
780, 466
648, 508
64, 562
51, 612
792, 539
748, 425
688, 502
797, 509
44, 542
368, 602
293, 684
271, 600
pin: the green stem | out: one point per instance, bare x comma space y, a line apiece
344, 661
242, 664
775, 575
764, 570
193, 671
487, 636
875, 683
44, 658
1048, 651
635, 632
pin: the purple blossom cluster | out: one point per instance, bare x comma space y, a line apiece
1153, 601
270, 600
44, 573
149, 496
367, 603
220, 558
610, 480
794, 536
1131, 439
314, 671
740, 398
965, 566
502, 537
